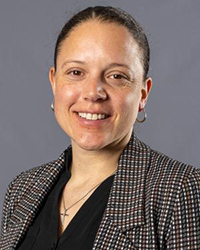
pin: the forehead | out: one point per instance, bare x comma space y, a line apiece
100, 39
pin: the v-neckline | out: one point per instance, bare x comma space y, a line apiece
96, 197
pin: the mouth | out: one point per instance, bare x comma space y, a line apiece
93, 116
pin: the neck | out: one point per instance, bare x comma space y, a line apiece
97, 164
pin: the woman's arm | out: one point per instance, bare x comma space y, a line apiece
12, 195
6, 210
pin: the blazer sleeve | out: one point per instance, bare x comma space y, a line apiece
9, 202
6, 210
185, 225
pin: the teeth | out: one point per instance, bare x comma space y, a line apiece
89, 116
94, 117
101, 116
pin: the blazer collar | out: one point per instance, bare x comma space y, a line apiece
125, 206
126, 200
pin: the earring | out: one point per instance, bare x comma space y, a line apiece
144, 118
52, 106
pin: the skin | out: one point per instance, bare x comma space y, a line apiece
99, 70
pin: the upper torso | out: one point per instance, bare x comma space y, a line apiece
150, 194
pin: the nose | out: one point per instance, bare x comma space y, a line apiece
93, 90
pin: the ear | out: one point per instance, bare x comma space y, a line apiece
52, 79
146, 88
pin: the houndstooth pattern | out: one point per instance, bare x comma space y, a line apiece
154, 203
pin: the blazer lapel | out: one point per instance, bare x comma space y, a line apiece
29, 204
125, 208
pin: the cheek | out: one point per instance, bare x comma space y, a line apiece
128, 109
129, 103
65, 96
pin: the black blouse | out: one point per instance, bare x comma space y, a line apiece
80, 232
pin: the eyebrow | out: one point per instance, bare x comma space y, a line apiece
118, 65
109, 66
71, 61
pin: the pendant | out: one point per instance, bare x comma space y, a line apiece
63, 216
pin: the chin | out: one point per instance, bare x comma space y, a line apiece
91, 146
91, 143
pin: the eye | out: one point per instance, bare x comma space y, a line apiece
118, 76
75, 73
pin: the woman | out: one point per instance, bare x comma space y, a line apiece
108, 190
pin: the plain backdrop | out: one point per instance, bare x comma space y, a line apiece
29, 133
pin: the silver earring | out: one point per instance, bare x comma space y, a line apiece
144, 118
52, 106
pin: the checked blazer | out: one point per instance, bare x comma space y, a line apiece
154, 202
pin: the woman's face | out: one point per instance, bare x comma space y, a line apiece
98, 85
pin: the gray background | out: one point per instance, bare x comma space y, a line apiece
29, 134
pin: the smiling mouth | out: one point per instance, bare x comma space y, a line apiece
94, 117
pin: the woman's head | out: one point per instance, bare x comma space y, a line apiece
98, 83
109, 15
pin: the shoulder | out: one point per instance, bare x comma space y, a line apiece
26, 180
162, 172
32, 184
163, 166
168, 169
168, 178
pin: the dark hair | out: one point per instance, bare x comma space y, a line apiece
111, 15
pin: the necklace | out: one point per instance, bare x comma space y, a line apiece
64, 214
